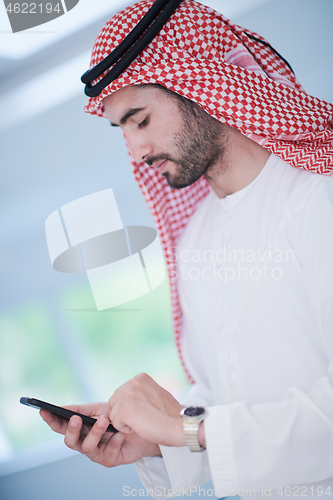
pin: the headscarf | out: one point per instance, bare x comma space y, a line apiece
236, 77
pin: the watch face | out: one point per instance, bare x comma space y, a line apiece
194, 411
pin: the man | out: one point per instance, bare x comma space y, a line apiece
255, 333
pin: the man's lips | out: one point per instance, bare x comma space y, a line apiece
161, 166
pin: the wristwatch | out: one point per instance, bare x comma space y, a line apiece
192, 416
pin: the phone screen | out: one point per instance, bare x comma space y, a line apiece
62, 412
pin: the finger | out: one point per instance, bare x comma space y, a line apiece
117, 440
90, 444
119, 393
133, 388
47, 416
117, 416
126, 429
116, 395
73, 433
112, 449
109, 454
114, 445
56, 423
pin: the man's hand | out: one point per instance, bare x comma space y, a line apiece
100, 446
144, 407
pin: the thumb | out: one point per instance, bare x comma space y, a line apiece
117, 440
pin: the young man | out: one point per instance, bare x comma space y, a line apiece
254, 275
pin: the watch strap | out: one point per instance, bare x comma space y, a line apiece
192, 418
191, 436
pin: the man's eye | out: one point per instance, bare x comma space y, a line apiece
144, 122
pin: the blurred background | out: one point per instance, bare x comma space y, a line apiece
54, 345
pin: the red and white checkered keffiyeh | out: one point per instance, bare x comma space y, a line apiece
201, 55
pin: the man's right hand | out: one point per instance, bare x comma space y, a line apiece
102, 447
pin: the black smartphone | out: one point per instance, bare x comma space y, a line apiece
62, 412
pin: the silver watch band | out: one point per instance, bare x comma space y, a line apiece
191, 436
192, 417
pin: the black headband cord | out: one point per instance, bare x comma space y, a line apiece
135, 42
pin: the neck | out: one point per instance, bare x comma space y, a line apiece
242, 160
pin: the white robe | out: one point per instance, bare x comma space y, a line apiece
256, 291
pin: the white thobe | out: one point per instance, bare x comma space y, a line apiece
255, 277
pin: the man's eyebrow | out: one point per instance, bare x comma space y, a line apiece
127, 115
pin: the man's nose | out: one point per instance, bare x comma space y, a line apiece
140, 148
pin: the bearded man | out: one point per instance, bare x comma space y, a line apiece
226, 147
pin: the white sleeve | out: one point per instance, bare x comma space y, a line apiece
289, 442
274, 444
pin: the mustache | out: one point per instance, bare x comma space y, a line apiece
150, 160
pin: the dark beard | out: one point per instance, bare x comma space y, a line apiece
199, 146
199, 149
